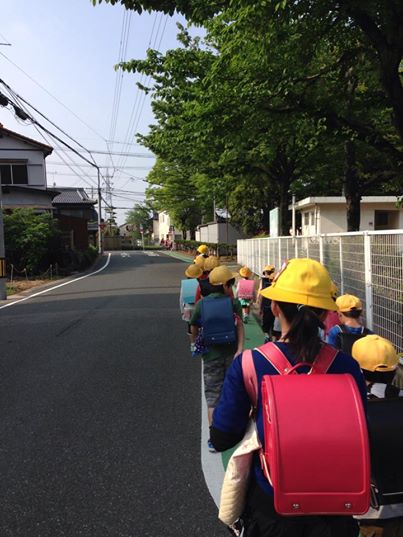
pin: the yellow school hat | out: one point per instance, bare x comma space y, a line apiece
220, 275
375, 353
269, 268
199, 261
348, 303
211, 262
302, 281
245, 272
193, 271
202, 249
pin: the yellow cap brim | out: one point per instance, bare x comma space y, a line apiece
282, 295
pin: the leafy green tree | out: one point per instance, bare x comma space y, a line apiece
282, 96
141, 216
32, 241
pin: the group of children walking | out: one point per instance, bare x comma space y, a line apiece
299, 311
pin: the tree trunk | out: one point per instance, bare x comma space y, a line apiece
351, 188
388, 42
284, 220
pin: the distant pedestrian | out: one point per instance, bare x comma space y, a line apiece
202, 251
193, 272
245, 292
204, 288
265, 303
217, 357
350, 328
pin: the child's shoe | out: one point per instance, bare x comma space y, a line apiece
210, 446
245, 319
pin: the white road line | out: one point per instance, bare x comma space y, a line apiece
57, 286
212, 464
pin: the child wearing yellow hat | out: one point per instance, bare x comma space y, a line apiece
204, 288
350, 328
217, 357
300, 295
378, 360
248, 296
202, 251
192, 272
265, 304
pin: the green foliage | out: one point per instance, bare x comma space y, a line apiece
140, 215
32, 241
279, 97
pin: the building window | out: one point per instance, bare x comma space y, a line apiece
13, 174
381, 219
312, 218
306, 219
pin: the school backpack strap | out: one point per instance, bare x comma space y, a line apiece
249, 376
325, 358
276, 357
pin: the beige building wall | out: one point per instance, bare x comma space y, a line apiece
317, 218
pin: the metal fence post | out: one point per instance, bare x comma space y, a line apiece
279, 253
321, 248
368, 281
341, 265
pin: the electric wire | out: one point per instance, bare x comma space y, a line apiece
53, 97
40, 128
136, 105
17, 96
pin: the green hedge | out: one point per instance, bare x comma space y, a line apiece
220, 249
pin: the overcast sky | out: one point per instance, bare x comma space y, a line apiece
70, 48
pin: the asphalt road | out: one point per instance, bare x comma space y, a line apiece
100, 410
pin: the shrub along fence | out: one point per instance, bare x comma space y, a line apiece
219, 249
367, 264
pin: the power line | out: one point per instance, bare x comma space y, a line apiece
118, 153
46, 118
53, 97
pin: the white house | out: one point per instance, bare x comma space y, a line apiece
327, 214
23, 172
165, 228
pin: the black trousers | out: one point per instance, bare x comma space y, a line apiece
267, 321
261, 520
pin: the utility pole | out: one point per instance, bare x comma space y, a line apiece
3, 294
99, 213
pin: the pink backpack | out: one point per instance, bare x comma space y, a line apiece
316, 453
246, 289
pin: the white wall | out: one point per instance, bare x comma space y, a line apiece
217, 232
14, 149
332, 218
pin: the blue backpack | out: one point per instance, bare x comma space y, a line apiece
217, 320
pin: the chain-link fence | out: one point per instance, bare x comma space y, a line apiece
367, 264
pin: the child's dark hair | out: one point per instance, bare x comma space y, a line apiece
303, 335
353, 314
220, 288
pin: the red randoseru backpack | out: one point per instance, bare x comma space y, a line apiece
316, 451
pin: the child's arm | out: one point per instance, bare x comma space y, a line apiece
240, 336
194, 332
